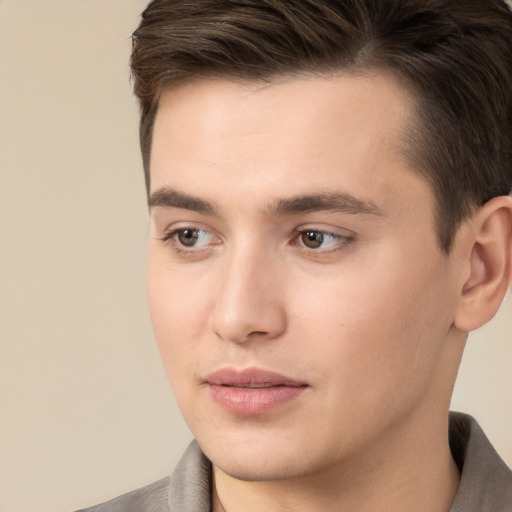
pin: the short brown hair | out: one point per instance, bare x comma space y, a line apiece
455, 56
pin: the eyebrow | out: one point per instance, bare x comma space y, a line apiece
168, 198
339, 202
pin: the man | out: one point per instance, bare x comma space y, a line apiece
329, 186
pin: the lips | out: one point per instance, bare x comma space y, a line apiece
252, 391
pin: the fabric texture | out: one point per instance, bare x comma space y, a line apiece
485, 486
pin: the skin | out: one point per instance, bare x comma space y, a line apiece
367, 320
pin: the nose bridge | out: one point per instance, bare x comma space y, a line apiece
248, 302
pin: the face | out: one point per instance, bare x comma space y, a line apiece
299, 299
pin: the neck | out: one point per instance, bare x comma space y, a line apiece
405, 472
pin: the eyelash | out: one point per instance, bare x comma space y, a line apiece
343, 241
170, 240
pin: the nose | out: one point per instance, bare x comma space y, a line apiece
250, 303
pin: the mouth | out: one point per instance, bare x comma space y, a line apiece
252, 391
252, 386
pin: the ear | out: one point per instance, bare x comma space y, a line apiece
488, 258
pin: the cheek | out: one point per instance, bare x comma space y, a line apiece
177, 325
178, 305
374, 334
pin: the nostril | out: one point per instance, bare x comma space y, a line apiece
253, 335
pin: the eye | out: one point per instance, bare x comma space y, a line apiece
192, 237
315, 239
189, 238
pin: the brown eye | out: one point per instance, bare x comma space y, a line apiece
312, 239
188, 237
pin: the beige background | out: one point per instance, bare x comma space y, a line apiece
85, 410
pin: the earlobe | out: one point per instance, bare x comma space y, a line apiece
489, 258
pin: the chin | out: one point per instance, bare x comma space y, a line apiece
265, 457
257, 469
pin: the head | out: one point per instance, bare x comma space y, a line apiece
327, 185
452, 57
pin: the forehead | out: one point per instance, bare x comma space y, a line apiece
290, 104
343, 132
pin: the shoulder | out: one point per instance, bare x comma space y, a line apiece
186, 490
486, 481
150, 498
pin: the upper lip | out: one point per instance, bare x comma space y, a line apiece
250, 377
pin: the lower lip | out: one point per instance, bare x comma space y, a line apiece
253, 401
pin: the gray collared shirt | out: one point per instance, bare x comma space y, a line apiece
485, 485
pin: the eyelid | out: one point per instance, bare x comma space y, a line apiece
178, 231
327, 230
345, 239
175, 227
170, 233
